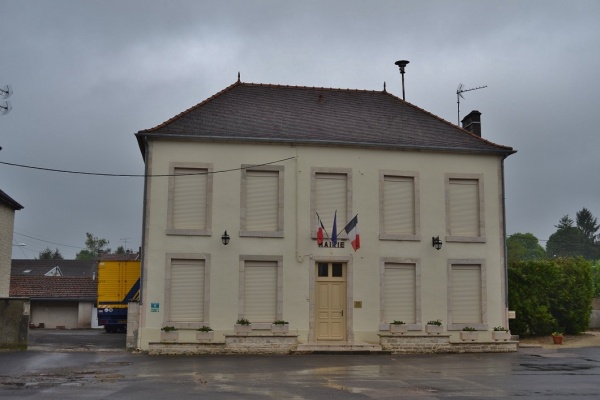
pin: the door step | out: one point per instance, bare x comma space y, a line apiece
339, 348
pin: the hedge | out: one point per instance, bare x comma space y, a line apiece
550, 295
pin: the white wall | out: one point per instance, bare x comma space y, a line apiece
299, 249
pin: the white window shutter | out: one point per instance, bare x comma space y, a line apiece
260, 291
331, 195
466, 294
187, 291
400, 293
189, 198
262, 200
464, 207
398, 205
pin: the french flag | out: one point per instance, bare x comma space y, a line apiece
320, 229
352, 232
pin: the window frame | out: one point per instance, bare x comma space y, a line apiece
167, 303
244, 232
481, 238
241, 291
313, 197
171, 229
483, 326
383, 235
383, 261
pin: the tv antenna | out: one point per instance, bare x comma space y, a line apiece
5, 93
459, 92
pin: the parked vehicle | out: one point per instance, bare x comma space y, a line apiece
118, 284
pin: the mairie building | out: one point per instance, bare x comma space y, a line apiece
241, 197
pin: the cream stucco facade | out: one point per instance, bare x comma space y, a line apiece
295, 251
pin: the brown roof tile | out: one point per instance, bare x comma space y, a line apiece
54, 287
250, 112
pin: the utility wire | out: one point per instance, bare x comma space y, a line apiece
47, 241
137, 175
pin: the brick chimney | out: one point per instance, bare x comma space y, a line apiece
472, 122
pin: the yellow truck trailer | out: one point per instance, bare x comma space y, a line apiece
118, 284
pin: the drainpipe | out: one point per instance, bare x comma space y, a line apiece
504, 241
141, 317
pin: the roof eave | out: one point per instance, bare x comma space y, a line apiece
142, 136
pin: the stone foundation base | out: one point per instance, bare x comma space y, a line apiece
234, 344
425, 344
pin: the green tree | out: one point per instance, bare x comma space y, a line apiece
587, 223
524, 247
94, 247
120, 250
48, 254
564, 222
566, 242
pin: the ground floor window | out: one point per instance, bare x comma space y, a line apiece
466, 294
400, 292
186, 292
261, 283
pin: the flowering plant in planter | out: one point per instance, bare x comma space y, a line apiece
398, 327
500, 333
169, 334
205, 333
242, 325
168, 328
280, 326
469, 333
205, 329
434, 326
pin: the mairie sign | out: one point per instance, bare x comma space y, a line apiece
329, 243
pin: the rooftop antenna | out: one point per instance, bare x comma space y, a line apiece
402, 64
5, 93
459, 92
5, 107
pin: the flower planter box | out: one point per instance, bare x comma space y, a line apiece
170, 337
434, 329
398, 328
501, 335
557, 339
204, 336
280, 328
469, 335
242, 329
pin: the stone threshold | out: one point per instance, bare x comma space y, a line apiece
339, 348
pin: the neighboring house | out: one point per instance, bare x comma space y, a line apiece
82, 268
57, 301
8, 206
53, 303
258, 162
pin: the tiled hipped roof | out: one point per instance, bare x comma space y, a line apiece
54, 287
319, 116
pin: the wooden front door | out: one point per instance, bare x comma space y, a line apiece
331, 301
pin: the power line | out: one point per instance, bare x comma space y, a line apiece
47, 241
137, 175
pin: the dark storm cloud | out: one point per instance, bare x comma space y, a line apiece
87, 75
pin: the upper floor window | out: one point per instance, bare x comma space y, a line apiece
399, 217
465, 208
331, 192
262, 202
190, 198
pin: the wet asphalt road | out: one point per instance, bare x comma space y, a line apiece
85, 372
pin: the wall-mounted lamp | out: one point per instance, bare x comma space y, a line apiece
436, 242
225, 238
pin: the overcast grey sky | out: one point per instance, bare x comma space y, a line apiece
88, 75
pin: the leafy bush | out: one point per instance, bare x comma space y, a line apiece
549, 294
242, 321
